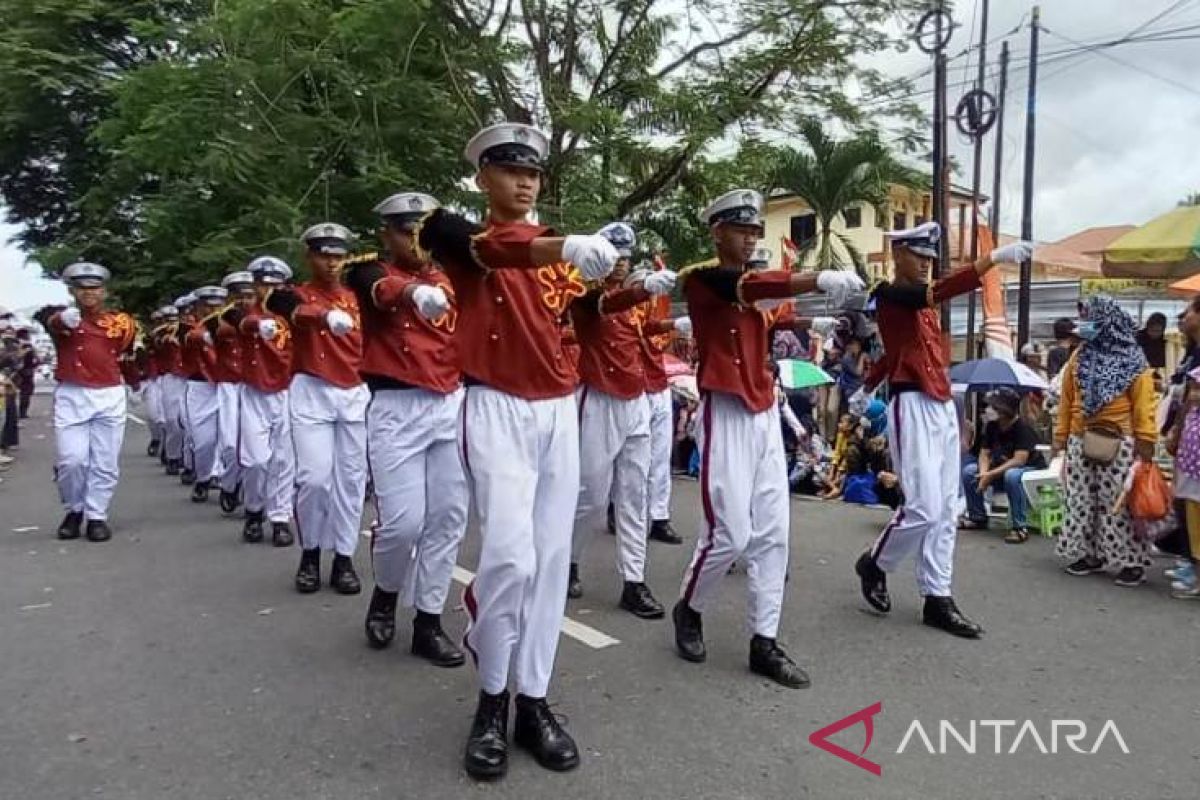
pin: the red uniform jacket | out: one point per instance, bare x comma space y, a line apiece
89, 355
732, 336
911, 329
402, 349
199, 357
167, 351
510, 339
656, 335
266, 365
227, 364
610, 341
316, 351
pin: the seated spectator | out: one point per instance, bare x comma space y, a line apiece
1007, 450
887, 483
847, 432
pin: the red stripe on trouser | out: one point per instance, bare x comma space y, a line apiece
472, 608
582, 400
898, 517
706, 502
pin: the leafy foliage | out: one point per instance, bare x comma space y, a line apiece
175, 139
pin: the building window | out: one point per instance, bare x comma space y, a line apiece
900, 220
853, 217
803, 228
918, 220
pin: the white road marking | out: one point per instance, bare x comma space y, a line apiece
35, 606
136, 419
597, 640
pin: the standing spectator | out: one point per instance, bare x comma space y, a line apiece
1008, 451
850, 379
10, 362
1183, 442
1107, 394
25, 370
830, 396
1065, 342
1151, 340
1033, 356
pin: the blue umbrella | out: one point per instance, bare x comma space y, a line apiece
986, 374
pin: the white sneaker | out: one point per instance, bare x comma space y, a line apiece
1186, 592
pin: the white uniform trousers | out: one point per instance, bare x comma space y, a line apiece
330, 435
265, 453
228, 469
744, 496
923, 437
421, 493
200, 410
614, 458
522, 463
173, 388
662, 436
89, 426
152, 402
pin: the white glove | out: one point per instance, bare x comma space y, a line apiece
267, 328
594, 256
824, 325
208, 338
636, 278
659, 283
839, 285
1013, 253
431, 301
70, 317
684, 326
339, 322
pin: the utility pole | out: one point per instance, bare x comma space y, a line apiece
998, 164
939, 158
976, 180
1027, 201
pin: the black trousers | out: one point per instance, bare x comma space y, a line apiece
9, 437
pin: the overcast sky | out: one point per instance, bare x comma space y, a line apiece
1116, 142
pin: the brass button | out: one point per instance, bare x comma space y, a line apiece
406, 325
500, 299
494, 336
737, 361
404, 349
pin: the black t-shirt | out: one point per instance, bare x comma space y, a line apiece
1056, 358
1001, 444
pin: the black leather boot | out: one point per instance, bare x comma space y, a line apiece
689, 633
873, 583
252, 529
342, 576
187, 476
281, 534
941, 612
152, 448
431, 643
768, 659
308, 577
173, 466
661, 531
69, 527
381, 618
537, 730
574, 587
98, 531
230, 500
200, 492
486, 755
610, 522
637, 599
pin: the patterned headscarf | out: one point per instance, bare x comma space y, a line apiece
1109, 363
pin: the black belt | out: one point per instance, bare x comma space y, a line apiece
198, 378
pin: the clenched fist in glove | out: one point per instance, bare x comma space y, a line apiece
339, 322
1013, 253
267, 328
659, 283
431, 301
839, 285
683, 325
594, 256
70, 317
824, 325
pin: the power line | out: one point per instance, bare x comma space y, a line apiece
1177, 84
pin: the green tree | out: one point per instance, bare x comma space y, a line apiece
833, 175
1192, 199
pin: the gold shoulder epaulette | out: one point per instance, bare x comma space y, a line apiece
697, 267
361, 258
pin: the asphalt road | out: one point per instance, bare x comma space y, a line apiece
177, 662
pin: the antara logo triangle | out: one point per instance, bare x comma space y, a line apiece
866, 717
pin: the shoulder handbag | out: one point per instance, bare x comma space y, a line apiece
1102, 441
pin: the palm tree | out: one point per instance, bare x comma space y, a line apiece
832, 176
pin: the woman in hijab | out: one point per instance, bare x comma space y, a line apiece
1106, 419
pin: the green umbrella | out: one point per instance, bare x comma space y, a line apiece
797, 374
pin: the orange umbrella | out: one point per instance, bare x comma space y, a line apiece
1186, 288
